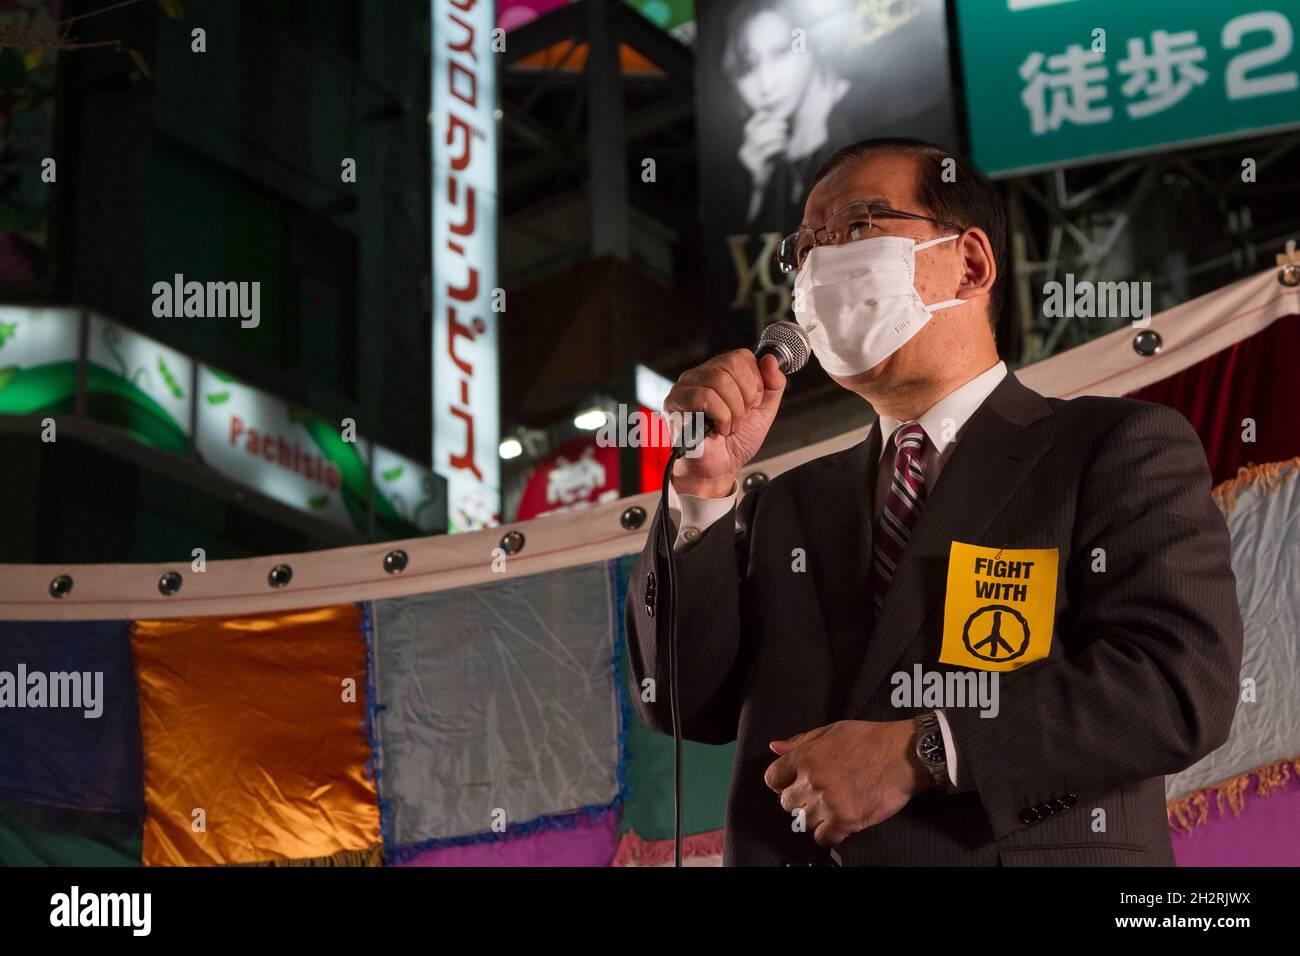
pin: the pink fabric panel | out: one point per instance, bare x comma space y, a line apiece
591, 842
1266, 834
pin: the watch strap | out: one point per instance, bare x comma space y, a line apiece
926, 724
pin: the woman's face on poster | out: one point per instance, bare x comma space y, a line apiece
772, 76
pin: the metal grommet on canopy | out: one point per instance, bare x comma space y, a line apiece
280, 576
395, 562
1147, 343
632, 518
512, 542
61, 586
169, 583
1289, 274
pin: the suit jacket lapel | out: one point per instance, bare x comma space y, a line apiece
836, 508
993, 455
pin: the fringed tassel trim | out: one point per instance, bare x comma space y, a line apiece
1189, 812
1258, 478
370, 856
634, 851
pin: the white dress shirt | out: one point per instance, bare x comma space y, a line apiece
943, 423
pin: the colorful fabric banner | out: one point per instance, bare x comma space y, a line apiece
1263, 510
248, 738
648, 764
69, 727
585, 839
496, 704
255, 730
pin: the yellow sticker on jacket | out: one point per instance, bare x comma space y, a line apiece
999, 606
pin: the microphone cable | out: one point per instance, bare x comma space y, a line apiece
789, 343
670, 592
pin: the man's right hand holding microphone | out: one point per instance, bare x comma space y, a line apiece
740, 394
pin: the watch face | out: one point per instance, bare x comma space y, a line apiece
930, 748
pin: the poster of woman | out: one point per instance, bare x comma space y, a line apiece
781, 84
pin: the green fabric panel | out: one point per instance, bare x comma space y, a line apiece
648, 767
35, 835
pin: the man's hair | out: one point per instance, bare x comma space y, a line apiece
970, 199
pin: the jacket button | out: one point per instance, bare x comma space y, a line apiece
1029, 816
650, 594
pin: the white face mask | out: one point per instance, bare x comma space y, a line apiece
858, 301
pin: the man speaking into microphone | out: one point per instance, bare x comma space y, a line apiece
1067, 551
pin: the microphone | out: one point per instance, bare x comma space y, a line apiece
784, 339
788, 342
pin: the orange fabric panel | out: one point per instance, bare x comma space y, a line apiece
246, 718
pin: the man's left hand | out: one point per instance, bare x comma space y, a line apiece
847, 776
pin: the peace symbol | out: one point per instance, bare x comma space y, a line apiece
1002, 635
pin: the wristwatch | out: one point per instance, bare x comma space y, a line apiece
928, 745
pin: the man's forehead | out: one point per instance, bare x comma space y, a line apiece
886, 178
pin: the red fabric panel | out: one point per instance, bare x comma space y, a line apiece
654, 456
1256, 378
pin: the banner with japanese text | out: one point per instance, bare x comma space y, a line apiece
466, 298
1061, 82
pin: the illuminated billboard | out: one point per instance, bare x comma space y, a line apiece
466, 301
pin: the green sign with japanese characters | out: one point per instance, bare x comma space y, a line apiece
1060, 82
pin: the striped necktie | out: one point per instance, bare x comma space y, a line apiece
902, 508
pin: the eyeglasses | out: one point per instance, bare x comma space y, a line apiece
849, 223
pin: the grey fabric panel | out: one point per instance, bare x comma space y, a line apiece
1265, 531
497, 696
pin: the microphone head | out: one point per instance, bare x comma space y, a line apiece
788, 342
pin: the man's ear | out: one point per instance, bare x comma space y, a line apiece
979, 270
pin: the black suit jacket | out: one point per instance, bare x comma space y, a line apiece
1141, 679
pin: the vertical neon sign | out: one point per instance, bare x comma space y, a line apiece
466, 411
